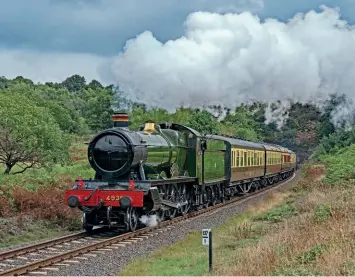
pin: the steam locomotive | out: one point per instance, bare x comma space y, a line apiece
168, 170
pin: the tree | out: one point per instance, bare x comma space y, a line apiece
240, 124
29, 135
203, 122
74, 83
97, 107
94, 84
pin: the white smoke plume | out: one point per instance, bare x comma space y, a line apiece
235, 58
149, 221
277, 112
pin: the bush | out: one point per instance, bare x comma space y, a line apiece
340, 166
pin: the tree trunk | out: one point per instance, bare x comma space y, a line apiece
8, 168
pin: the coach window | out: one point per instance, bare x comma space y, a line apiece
237, 161
259, 158
259, 162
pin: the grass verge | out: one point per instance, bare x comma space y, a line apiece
308, 230
16, 231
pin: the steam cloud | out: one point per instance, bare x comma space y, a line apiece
149, 221
235, 58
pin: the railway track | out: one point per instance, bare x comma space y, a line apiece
61, 251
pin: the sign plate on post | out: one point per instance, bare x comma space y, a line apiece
206, 237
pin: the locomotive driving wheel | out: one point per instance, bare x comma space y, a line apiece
184, 196
160, 215
87, 221
131, 219
221, 195
205, 199
212, 195
171, 195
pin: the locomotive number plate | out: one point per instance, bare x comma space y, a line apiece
113, 198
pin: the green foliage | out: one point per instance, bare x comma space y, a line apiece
140, 115
74, 83
83, 108
96, 107
78, 108
311, 255
29, 135
241, 123
333, 143
278, 213
322, 212
340, 166
203, 122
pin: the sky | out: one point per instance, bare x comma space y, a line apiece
51, 39
169, 53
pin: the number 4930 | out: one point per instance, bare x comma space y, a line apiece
113, 197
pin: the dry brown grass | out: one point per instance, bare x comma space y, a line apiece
319, 240
306, 231
273, 199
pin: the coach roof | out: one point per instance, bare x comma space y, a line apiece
238, 142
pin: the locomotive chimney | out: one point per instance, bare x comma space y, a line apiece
120, 119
